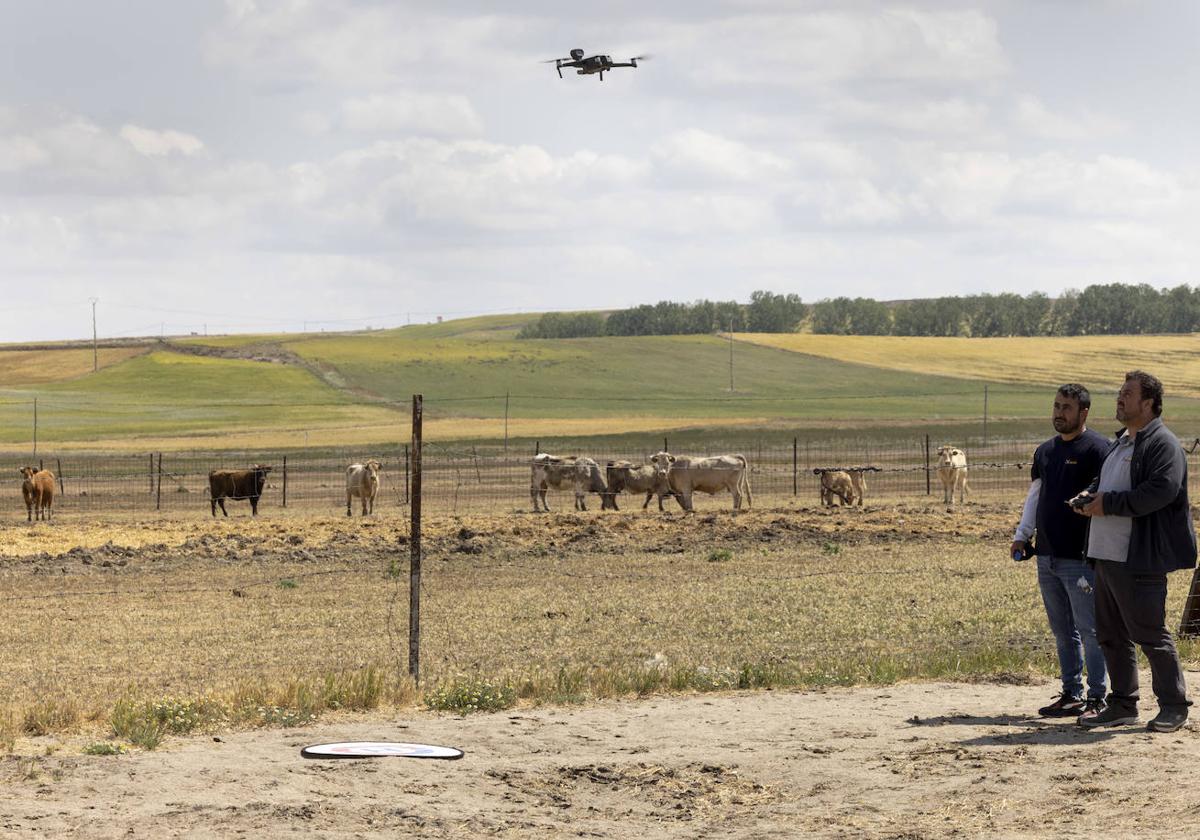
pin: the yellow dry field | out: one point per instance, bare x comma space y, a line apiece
189, 606
19, 368
1098, 361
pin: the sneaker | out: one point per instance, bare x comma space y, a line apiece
1095, 705
1168, 720
1063, 706
1106, 715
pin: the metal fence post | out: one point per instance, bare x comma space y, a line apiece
158, 493
61, 489
414, 572
285, 481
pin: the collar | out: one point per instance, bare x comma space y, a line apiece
1153, 425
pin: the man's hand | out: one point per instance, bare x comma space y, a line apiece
1017, 548
1094, 507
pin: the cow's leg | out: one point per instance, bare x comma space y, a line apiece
254, 505
736, 491
533, 496
364, 505
685, 499
649, 496
213, 501
349, 496
221, 501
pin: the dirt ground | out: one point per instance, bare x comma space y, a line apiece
906, 761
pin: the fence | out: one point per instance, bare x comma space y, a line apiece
493, 478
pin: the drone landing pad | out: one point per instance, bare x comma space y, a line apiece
380, 749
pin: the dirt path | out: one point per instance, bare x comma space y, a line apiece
907, 761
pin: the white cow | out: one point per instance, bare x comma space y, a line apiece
362, 480
580, 474
952, 470
686, 475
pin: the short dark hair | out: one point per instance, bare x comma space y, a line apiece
1151, 388
1075, 391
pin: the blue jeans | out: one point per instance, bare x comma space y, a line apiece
1072, 615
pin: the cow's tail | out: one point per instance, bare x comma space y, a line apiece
744, 481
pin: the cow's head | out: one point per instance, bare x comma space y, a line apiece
260, 476
662, 462
373, 466
946, 455
27, 472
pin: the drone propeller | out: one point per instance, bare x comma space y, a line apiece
552, 60
641, 58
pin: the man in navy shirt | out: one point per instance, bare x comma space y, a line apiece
1063, 467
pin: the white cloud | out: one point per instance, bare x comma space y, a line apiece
1032, 116
697, 154
412, 113
153, 143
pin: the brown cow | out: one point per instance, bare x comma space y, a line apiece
686, 475
836, 483
37, 486
237, 484
635, 478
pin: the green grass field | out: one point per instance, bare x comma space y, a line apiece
357, 386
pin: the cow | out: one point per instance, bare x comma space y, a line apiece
685, 475
580, 474
37, 487
634, 478
952, 470
362, 480
237, 484
836, 483
858, 480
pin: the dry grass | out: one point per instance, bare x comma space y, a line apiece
20, 368
556, 608
1099, 361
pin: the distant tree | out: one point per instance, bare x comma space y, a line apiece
772, 313
564, 325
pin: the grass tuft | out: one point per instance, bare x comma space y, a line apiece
465, 694
104, 748
50, 715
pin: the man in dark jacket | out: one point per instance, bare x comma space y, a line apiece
1141, 529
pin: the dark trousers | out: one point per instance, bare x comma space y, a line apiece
1131, 609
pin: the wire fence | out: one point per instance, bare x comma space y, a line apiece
494, 478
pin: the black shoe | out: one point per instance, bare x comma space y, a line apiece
1168, 720
1095, 705
1107, 716
1063, 706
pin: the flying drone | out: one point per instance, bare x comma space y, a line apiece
592, 64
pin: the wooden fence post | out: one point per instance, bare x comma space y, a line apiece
928, 488
407, 499
61, 489
158, 494
414, 569
795, 466
285, 481
150, 473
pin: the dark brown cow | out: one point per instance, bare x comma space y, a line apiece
237, 484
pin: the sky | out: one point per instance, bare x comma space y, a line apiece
282, 165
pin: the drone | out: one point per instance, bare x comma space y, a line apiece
592, 64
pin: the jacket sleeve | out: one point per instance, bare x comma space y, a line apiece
1029, 513
1156, 492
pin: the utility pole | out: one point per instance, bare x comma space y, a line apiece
95, 352
731, 355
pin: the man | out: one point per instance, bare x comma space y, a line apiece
1063, 467
1141, 529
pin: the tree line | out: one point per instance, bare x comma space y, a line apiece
1103, 309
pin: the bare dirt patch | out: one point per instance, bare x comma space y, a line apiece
842, 763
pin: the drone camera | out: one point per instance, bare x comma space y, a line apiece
576, 54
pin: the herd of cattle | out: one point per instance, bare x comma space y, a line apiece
680, 476
676, 476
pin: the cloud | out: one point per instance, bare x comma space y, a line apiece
1032, 116
694, 154
160, 143
412, 113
